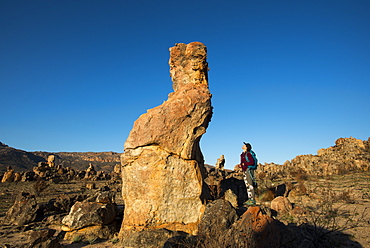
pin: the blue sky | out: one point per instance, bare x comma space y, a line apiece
290, 77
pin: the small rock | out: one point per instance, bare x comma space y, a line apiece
281, 204
42, 237
8, 176
231, 197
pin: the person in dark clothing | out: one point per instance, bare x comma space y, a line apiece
246, 162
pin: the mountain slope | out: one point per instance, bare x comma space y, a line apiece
19, 160
24, 161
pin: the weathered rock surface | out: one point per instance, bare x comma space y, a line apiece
231, 197
177, 125
93, 232
281, 204
83, 214
52, 161
255, 229
220, 164
61, 204
151, 238
92, 218
162, 164
23, 211
43, 239
218, 217
8, 176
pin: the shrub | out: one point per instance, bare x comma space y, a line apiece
77, 239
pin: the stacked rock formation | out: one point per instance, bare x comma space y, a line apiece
162, 164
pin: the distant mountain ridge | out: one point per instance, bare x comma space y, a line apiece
22, 161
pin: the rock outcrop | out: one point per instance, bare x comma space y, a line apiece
9, 175
23, 211
162, 164
43, 238
94, 217
281, 204
255, 229
218, 217
348, 154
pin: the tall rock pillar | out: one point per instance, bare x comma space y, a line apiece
162, 164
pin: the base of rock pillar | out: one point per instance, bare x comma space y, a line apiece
191, 228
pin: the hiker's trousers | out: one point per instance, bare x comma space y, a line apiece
248, 180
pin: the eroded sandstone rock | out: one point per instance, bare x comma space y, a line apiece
23, 211
8, 175
162, 164
93, 232
43, 238
152, 238
281, 204
88, 213
217, 219
255, 229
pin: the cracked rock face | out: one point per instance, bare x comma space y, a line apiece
162, 164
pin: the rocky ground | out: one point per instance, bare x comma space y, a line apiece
13, 236
337, 206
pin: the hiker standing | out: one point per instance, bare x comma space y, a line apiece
248, 163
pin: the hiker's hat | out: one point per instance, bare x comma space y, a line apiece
249, 146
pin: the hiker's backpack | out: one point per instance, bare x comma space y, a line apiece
253, 167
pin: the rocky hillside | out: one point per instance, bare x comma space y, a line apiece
17, 159
347, 155
22, 161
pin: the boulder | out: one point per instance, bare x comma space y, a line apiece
220, 163
23, 211
281, 204
43, 239
8, 176
117, 169
28, 176
162, 164
90, 185
91, 168
62, 204
17, 177
231, 197
254, 229
151, 238
106, 197
52, 161
218, 217
83, 214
